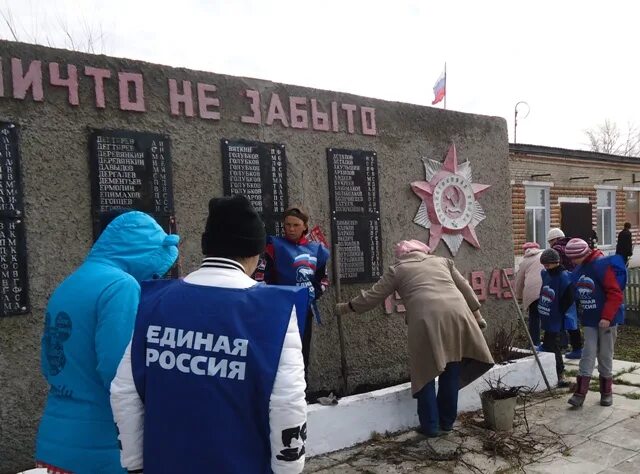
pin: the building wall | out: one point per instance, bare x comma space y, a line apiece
559, 171
55, 170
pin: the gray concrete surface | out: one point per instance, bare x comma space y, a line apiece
55, 171
592, 439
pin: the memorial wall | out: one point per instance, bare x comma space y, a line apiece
81, 135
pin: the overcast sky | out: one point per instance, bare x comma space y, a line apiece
576, 63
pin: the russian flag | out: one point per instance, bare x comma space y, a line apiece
440, 89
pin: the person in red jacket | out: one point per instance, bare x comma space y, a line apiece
599, 284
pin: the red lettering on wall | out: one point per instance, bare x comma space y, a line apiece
297, 112
319, 120
22, 81
205, 101
254, 97
71, 82
495, 284
276, 111
334, 116
368, 118
506, 294
127, 102
393, 303
349, 109
99, 75
478, 284
176, 98
299, 116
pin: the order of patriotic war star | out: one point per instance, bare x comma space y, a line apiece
213, 380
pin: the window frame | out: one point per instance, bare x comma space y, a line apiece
546, 208
600, 218
635, 223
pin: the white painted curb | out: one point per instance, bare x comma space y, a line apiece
355, 418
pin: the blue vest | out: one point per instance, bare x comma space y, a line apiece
590, 293
296, 265
553, 287
204, 360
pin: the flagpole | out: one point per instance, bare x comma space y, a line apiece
445, 85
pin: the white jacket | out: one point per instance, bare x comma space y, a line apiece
287, 405
528, 279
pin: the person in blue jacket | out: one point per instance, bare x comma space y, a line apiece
556, 307
294, 260
88, 324
599, 289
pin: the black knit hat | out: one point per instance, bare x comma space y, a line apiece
550, 256
234, 229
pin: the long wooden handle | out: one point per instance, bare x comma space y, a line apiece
343, 358
526, 330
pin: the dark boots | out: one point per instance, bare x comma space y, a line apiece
606, 391
582, 387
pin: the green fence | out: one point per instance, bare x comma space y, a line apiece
632, 297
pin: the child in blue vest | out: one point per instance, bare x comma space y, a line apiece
599, 285
556, 307
294, 260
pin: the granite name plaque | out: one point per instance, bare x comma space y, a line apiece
258, 171
13, 249
131, 170
355, 213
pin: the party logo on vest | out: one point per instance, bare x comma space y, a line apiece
547, 295
586, 287
449, 206
305, 266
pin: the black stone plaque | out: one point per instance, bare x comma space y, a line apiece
258, 171
131, 170
355, 213
13, 249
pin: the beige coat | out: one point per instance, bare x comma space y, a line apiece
528, 279
441, 326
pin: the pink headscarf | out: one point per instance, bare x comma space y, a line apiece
530, 245
406, 246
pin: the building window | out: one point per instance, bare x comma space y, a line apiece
632, 211
606, 217
537, 214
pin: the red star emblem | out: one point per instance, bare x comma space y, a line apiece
449, 207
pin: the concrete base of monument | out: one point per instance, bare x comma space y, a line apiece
356, 417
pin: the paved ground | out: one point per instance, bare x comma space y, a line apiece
550, 437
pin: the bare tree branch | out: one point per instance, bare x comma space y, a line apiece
88, 36
10, 22
607, 138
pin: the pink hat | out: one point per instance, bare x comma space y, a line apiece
530, 245
577, 248
406, 246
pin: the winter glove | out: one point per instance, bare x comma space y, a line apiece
343, 308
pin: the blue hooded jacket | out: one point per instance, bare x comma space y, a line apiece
88, 324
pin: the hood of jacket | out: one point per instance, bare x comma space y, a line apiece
532, 252
136, 244
594, 255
